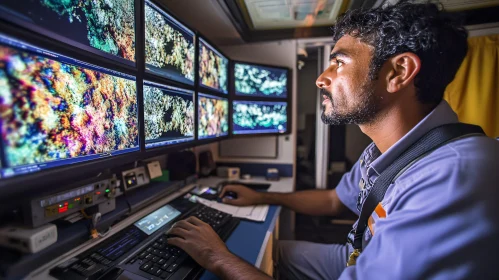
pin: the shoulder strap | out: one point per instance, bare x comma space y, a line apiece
429, 142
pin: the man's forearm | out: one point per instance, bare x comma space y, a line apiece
311, 202
232, 267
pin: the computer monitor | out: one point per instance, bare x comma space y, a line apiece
213, 68
259, 117
169, 46
253, 80
103, 27
168, 115
57, 111
213, 116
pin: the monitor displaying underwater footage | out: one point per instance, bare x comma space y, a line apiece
213, 68
56, 111
105, 26
169, 46
168, 115
258, 117
213, 116
260, 81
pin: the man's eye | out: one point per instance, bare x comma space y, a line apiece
337, 62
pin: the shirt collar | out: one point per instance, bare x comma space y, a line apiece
442, 114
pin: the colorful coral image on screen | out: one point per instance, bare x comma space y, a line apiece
213, 68
106, 25
169, 46
213, 116
56, 111
260, 81
168, 115
256, 117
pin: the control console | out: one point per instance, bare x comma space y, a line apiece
55, 206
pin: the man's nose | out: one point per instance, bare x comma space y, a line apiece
323, 81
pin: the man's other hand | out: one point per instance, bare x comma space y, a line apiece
200, 241
245, 196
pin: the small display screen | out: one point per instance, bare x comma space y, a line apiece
213, 68
157, 219
168, 115
255, 117
169, 46
213, 116
105, 25
260, 81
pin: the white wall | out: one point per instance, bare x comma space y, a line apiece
279, 53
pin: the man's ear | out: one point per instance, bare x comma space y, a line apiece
403, 70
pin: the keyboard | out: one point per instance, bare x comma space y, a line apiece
144, 256
161, 260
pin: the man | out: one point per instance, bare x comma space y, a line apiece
439, 219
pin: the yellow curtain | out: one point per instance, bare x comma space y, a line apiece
474, 93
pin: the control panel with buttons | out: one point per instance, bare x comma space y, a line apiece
59, 205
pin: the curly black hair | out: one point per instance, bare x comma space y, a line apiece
425, 29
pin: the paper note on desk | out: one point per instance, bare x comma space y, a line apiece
253, 213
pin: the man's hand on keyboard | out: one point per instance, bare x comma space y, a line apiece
199, 240
245, 196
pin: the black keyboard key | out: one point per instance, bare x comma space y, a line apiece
155, 259
132, 261
157, 271
155, 252
149, 250
161, 262
151, 270
88, 261
146, 266
172, 267
149, 257
93, 271
142, 255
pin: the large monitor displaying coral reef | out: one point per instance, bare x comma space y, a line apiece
57, 111
168, 115
258, 117
169, 46
213, 116
104, 25
213, 68
260, 81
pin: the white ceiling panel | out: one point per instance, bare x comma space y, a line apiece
280, 14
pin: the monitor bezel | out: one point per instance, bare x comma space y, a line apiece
149, 73
211, 139
86, 50
37, 182
233, 81
204, 88
288, 100
171, 147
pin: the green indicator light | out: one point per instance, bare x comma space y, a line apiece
70, 206
107, 190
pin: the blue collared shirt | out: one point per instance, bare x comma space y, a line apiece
439, 219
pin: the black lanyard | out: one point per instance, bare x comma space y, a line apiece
423, 146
